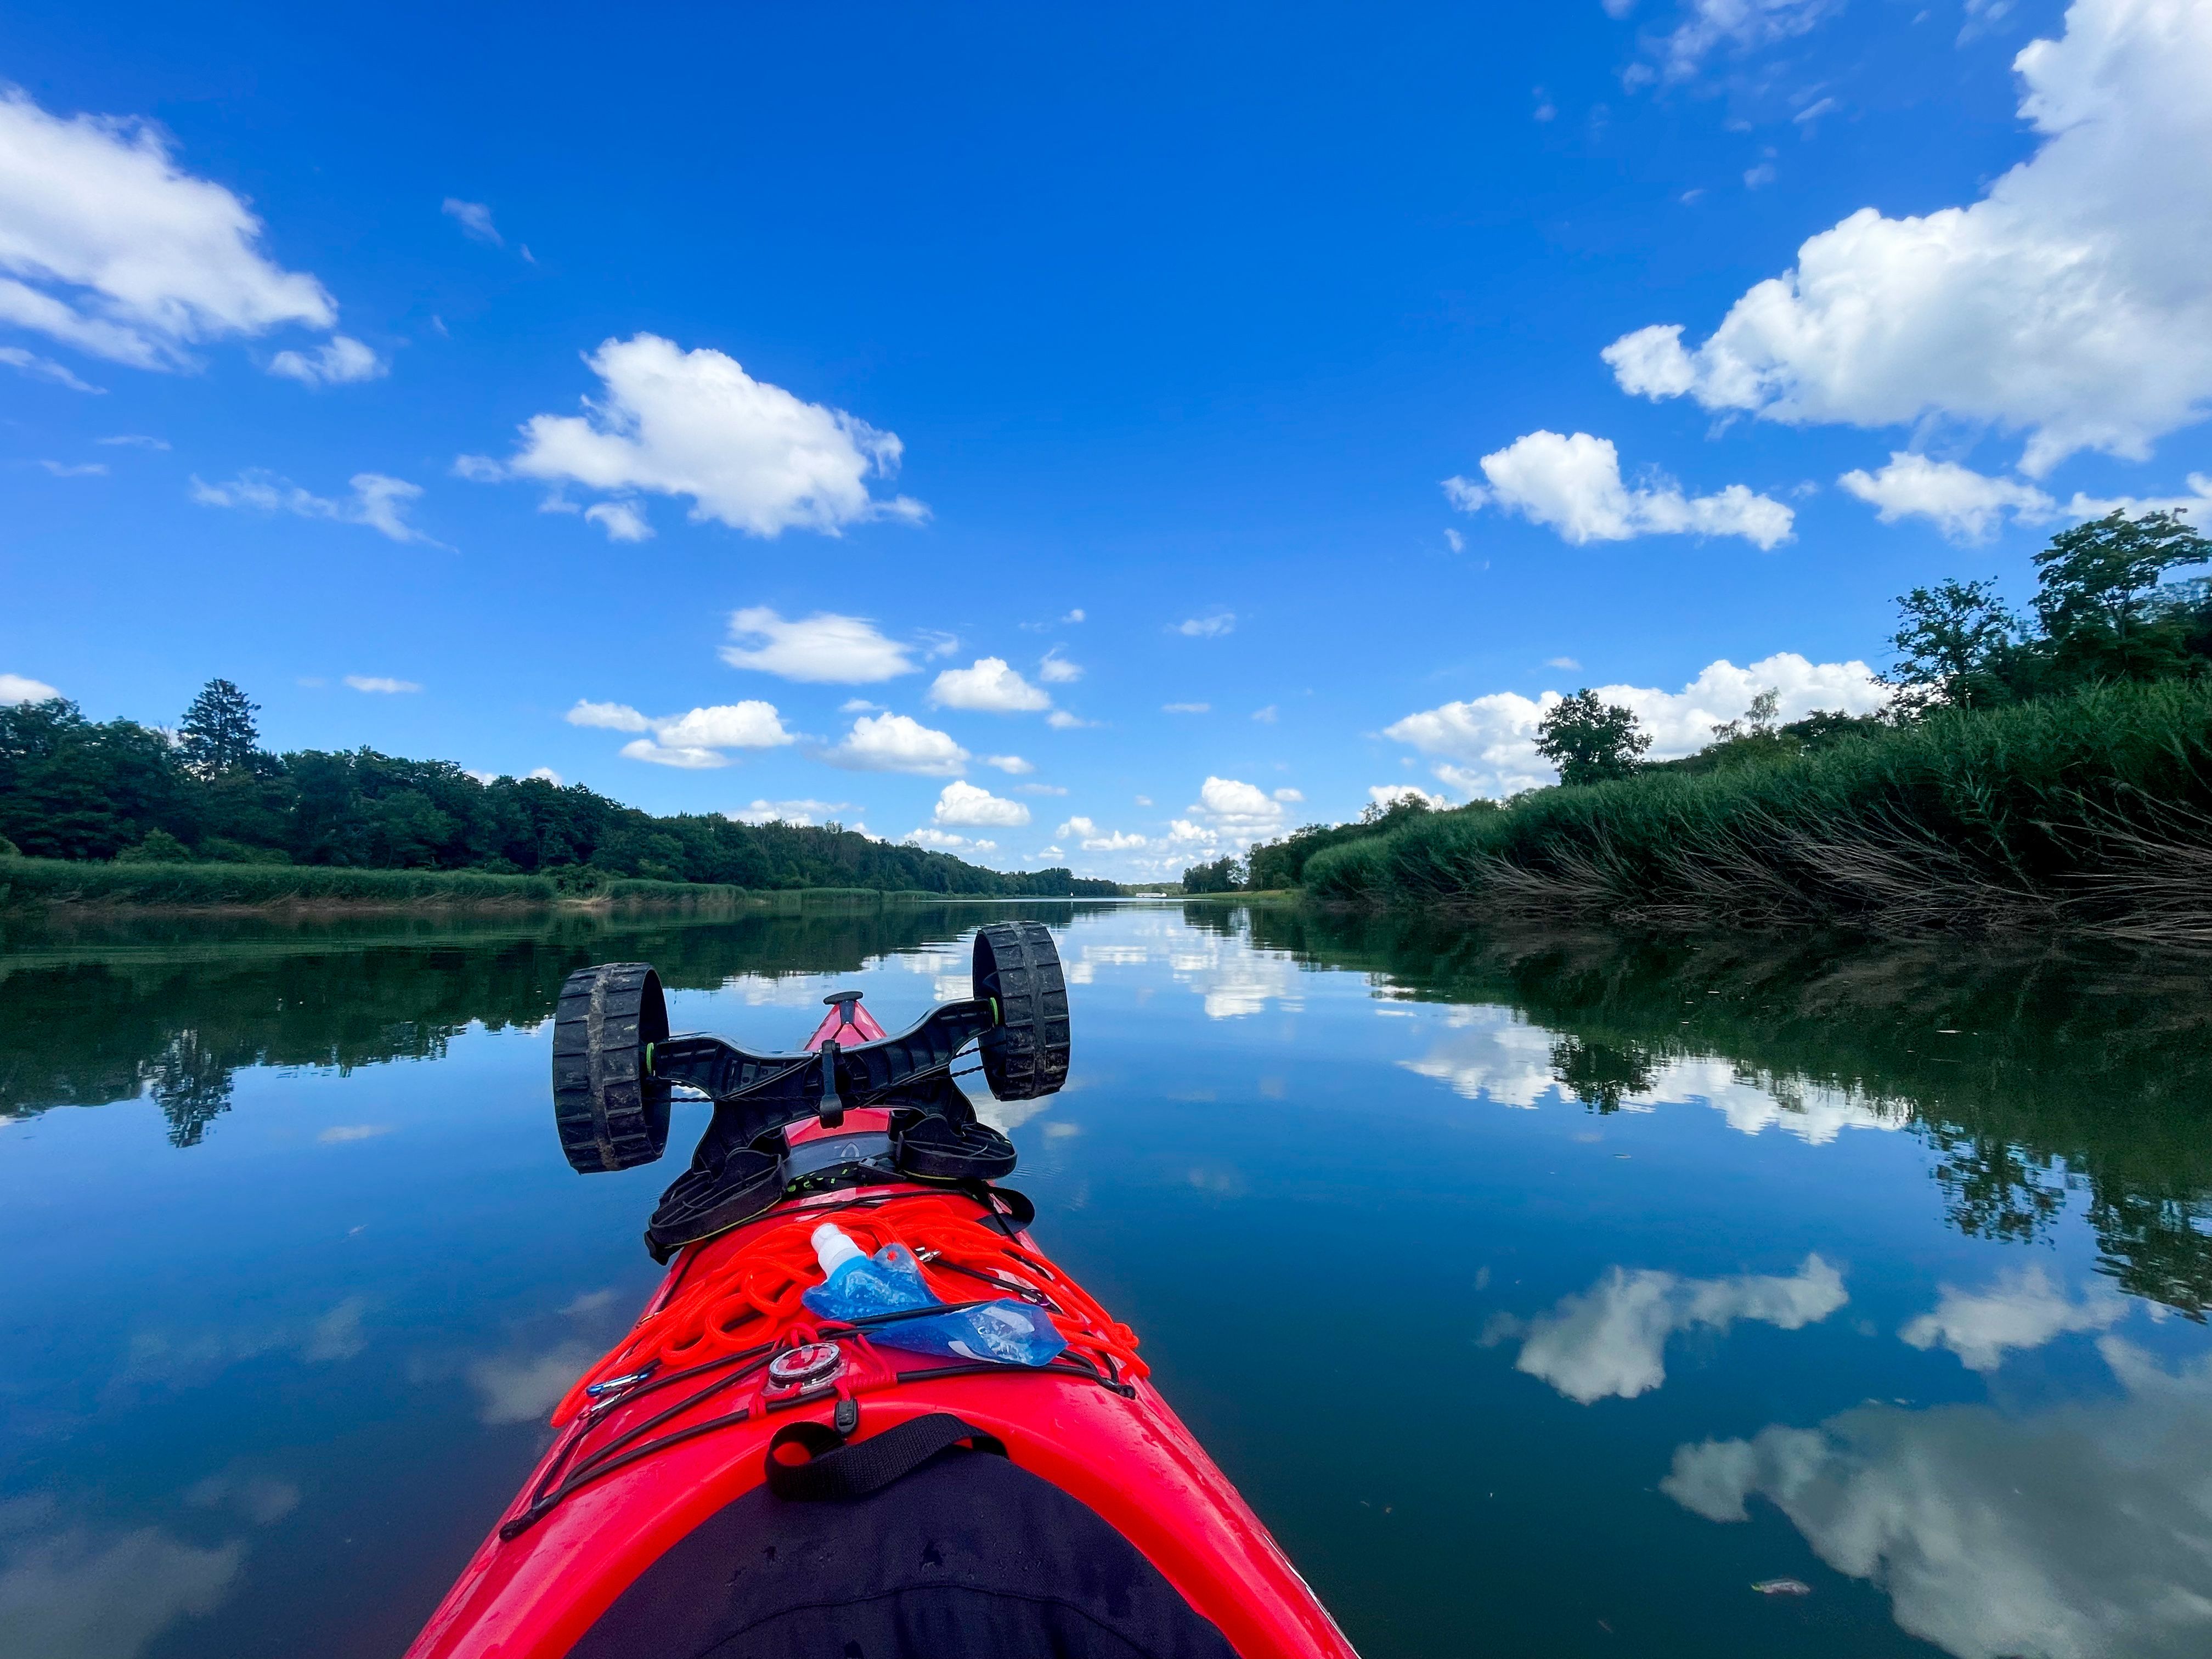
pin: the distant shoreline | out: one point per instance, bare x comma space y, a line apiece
220, 889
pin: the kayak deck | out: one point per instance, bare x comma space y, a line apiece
668, 1437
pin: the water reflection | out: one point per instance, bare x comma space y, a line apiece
2068, 1534
156, 1012
2022, 1310
1599, 1206
1611, 1340
76, 1593
2032, 1077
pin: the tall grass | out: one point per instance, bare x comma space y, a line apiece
2088, 813
25, 883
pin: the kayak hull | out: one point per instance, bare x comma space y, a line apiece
1123, 1453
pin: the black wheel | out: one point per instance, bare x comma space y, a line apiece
612, 1114
1025, 1054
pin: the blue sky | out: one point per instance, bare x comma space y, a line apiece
1248, 409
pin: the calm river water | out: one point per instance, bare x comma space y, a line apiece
1543, 1295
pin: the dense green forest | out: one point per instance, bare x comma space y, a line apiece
2045, 771
79, 789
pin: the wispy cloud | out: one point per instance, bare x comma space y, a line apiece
378, 503
474, 219
1207, 627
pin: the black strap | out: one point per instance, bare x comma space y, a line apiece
1018, 1213
835, 1468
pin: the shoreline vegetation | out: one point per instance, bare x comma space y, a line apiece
2040, 776
34, 884
27, 883
117, 813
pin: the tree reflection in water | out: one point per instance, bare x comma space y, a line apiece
173, 1009
2031, 1075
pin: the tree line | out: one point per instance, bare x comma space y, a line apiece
72, 788
2107, 610
2104, 612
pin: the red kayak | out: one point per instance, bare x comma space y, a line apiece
742, 1477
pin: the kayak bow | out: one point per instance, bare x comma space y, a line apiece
741, 1477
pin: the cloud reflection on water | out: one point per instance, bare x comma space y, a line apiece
1494, 1053
2022, 1309
1611, 1340
2084, 1532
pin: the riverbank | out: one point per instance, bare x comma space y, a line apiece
2089, 815
39, 884
32, 886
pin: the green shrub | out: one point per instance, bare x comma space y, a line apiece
160, 847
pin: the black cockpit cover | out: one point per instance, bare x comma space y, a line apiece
968, 1557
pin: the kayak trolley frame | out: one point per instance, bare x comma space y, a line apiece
615, 1068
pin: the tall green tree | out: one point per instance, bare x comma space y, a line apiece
1223, 875
1955, 644
2102, 599
1589, 741
217, 735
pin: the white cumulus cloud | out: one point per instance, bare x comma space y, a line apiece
946, 841
897, 742
695, 741
621, 521
378, 503
2069, 302
1967, 506
21, 688
1014, 765
748, 724
380, 683
990, 687
612, 716
963, 805
804, 811
1230, 810
825, 648
690, 758
1056, 670
110, 248
1488, 743
693, 424
1389, 794
1092, 839
1572, 484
